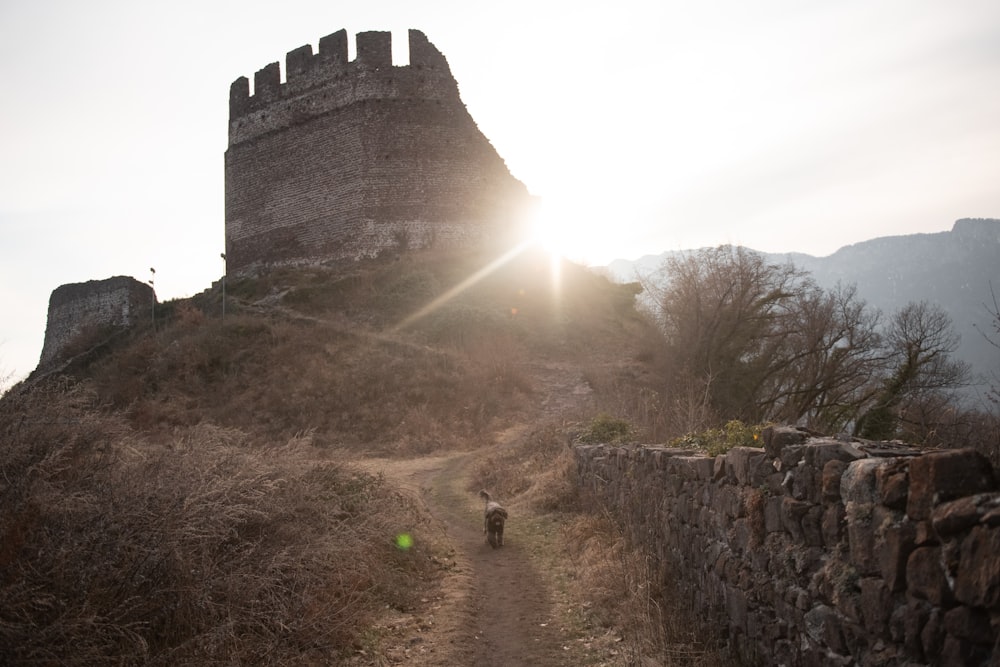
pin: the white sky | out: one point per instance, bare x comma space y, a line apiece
783, 125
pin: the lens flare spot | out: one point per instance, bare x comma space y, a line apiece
404, 541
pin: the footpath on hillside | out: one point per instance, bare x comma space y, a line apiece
495, 607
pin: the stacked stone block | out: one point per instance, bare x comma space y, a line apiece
814, 551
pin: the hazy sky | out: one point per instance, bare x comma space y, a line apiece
800, 125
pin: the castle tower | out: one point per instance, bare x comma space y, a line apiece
87, 312
346, 159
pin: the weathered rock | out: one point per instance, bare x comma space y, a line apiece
978, 579
915, 617
833, 471
897, 538
772, 514
959, 651
962, 514
749, 466
777, 438
833, 522
893, 483
925, 577
876, 604
858, 485
945, 475
861, 537
812, 526
932, 635
971, 624
823, 626
792, 513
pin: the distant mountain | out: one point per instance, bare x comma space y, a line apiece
953, 269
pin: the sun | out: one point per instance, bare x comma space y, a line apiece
569, 230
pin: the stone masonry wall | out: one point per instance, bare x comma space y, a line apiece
814, 551
94, 306
347, 159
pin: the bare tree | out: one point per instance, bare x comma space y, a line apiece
993, 338
822, 374
919, 343
720, 312
763, 341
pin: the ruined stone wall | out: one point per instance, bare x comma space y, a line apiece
814, 551
348, 158
93, 307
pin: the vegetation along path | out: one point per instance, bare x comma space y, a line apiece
499, 607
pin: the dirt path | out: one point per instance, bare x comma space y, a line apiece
509, 611
495, 608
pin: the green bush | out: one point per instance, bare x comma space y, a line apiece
605, 429
715, 441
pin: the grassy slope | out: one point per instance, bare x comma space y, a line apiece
172, 497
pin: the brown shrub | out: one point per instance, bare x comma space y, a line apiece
146, 515
626, 594
201, 551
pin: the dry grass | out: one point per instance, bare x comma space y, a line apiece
625, 594
201, 550
628, 608
171, 501
276, 377
533, 468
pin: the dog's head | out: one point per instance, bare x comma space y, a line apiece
495, 516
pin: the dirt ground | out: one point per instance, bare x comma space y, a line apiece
501, 607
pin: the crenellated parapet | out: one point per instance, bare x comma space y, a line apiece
352, 158
320, 82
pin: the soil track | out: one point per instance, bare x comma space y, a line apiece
495, 608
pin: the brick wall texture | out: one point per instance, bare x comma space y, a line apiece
347, 159
814, 551
93, 307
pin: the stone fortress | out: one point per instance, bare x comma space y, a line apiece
349, 159
346, 159
92, 309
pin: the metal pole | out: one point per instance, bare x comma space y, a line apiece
224, 271
152, 297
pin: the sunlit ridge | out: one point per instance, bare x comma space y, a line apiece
564, 232
465, 284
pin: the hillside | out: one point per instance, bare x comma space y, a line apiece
295, 483
954, 269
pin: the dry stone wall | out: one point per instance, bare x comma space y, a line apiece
347, 159
814, 551
93, 307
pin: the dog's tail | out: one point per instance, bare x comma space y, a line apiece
485, 495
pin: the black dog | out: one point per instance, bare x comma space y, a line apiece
495, 516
